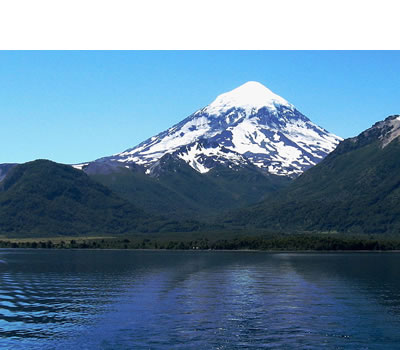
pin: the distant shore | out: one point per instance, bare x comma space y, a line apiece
269, 243
282, 251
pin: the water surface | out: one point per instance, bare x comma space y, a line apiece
70, 299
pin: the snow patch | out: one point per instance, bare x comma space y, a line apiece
80, 166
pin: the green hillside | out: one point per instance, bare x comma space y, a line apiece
45, 198
356, 188
178, 191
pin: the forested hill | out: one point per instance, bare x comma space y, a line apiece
356, 188
42, 198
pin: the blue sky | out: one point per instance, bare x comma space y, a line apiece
75, 106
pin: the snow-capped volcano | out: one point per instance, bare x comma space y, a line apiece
249, 124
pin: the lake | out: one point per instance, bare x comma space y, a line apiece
88, 299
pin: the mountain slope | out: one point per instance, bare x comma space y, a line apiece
247, 124
45, 198
176, 190
356, 188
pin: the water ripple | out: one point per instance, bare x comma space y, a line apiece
198, 300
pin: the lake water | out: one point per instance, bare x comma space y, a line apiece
56, 299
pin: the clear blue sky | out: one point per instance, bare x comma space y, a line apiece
71, 106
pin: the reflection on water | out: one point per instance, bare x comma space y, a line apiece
198, 300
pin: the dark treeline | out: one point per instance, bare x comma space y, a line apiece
292, 242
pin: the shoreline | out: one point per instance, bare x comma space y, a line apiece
209, 250
273, 243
